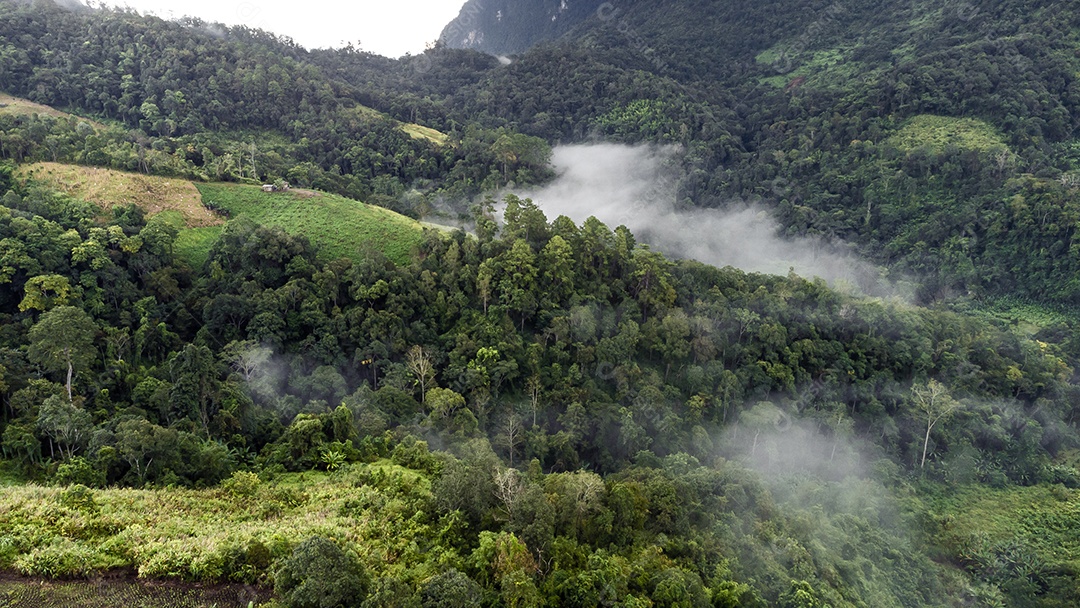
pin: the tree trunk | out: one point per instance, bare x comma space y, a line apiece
926, 443
71, 372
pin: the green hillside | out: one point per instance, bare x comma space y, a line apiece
339, 227
896, 127
541, 413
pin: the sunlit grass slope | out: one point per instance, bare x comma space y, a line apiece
232, 533
341, 227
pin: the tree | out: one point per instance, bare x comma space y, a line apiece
451, 589
484, 216
674, 343
517, 150
517, 287
444, 402
319, 574
20, 444
523, 219
63, 340
195, 382
246, 357
484, 275
652, 281
764, 416
557, 262
65, 423
677, 588
419, 363
800, 594
45, 291
509, 489
140, 443
935, 402
511, 434
534, 386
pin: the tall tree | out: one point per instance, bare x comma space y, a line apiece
63, 340
935, 403
195, 382
419, 363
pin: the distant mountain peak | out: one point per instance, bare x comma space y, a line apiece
504, 27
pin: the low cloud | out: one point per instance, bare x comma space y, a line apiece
636, 186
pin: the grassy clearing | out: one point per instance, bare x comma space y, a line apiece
108, 188
24, 107
1042, 521
827, 69
1029, 315
236, 533
341, 227
936, 133
363, 115
366, 114
193, 244
1026, 316
426, 133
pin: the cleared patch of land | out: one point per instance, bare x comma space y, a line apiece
341, 227
20, 106
363, 114
192, 244
936, 133
108, 188
233, 533
426, 133
990, 527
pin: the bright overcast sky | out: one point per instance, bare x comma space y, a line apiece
387, 27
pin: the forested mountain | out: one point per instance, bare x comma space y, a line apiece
205, 102
940, 137
541, 412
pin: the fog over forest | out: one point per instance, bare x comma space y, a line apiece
636, 186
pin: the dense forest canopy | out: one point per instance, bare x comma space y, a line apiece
851, 119
543, 412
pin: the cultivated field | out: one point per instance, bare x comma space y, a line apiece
20, 106
108, 188
340, 226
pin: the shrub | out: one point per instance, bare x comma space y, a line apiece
246, 562
319, 574
413, 454
80, 498
61, 558
242, 484
78, 470
388, 592
451, 589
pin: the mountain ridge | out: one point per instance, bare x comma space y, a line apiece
509, 27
